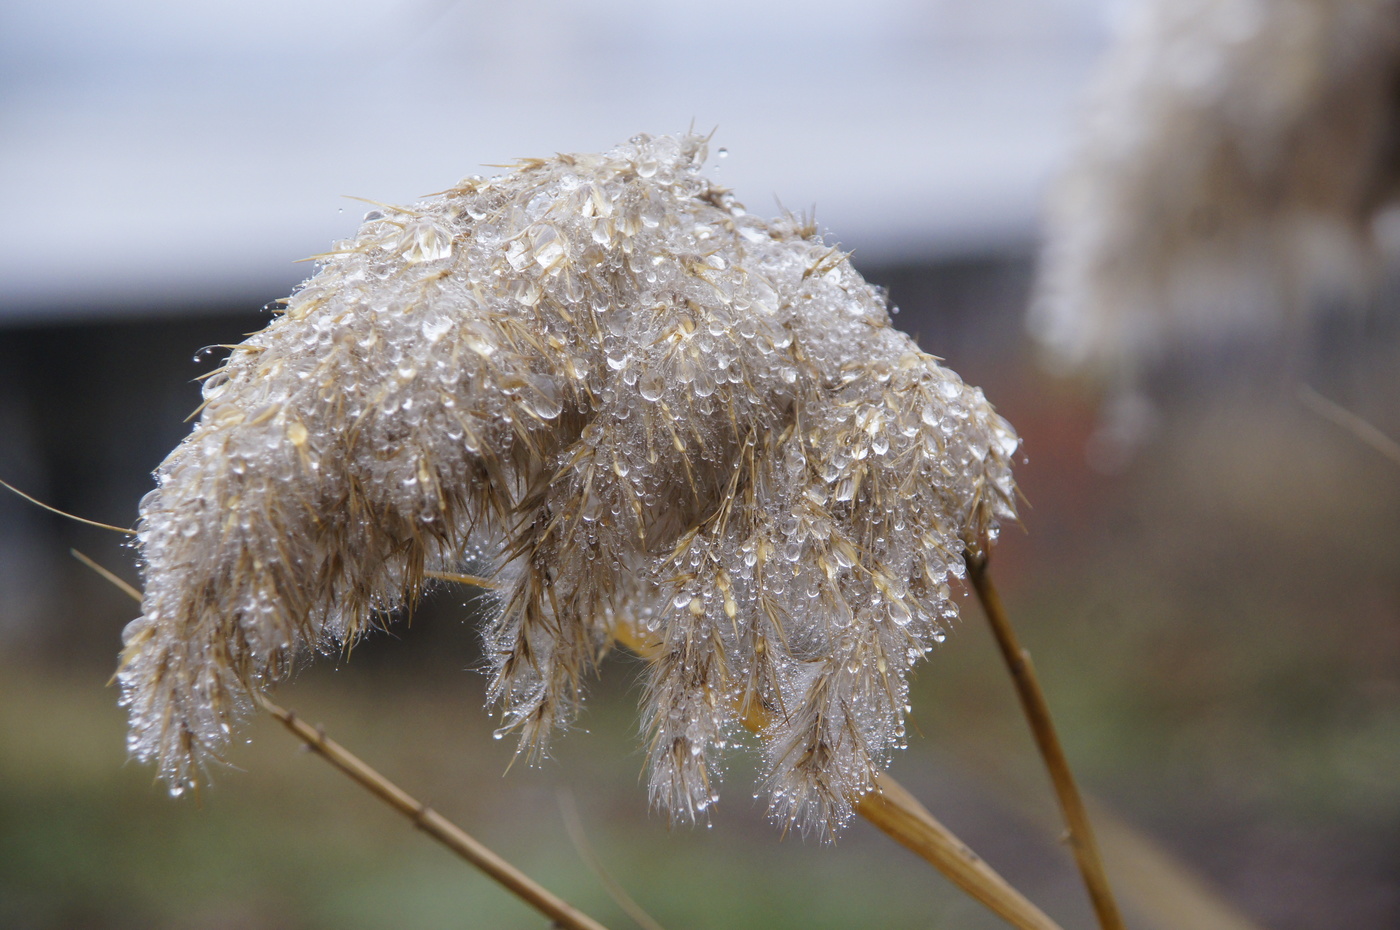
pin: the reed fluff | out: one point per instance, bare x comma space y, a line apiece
645, 412
1236, 159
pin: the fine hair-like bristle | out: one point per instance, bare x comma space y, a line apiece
642, 408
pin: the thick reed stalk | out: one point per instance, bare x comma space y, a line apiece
434, 824
902, 818
1018, 662
896, 812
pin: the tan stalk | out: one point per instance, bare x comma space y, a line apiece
561, 912
1018, 661
896, 812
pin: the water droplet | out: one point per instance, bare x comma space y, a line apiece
544, 399
433, 330
651, 385
518, 255
423, 241
548, 246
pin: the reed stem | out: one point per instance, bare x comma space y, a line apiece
903, 819
1080, 835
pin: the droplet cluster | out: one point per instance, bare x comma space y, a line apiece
657, 418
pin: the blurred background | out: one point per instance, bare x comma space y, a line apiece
1214, 606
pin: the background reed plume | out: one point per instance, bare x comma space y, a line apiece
1230, 176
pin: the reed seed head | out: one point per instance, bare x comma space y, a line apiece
655, 418
1236, 157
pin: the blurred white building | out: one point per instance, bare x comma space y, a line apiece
163, 154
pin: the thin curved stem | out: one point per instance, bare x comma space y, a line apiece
573, 825
475, 581
1350, 422
434, 824
1018, 662
63, 513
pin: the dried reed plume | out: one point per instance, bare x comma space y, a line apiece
1236, 159
644, 412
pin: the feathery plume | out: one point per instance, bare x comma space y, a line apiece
1235, 161
646, 411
